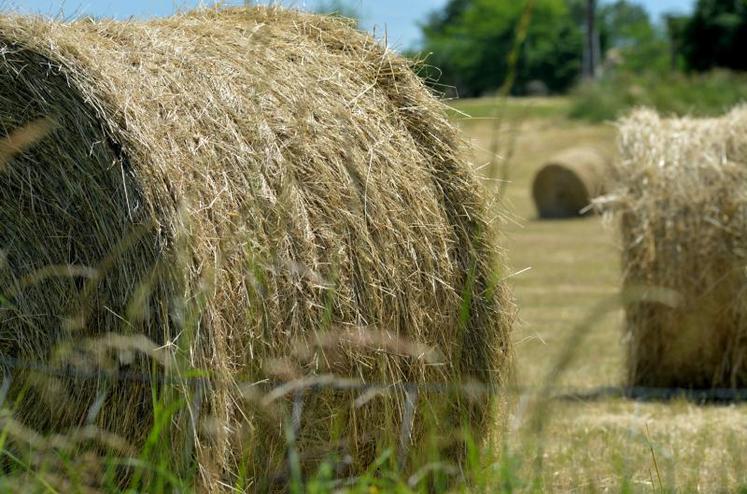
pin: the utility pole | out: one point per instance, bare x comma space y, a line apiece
591, 44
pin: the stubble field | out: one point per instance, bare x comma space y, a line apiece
566, 279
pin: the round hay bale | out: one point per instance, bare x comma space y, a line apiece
258, 194
565, 185
678, 192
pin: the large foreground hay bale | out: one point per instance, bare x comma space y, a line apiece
264, 195
680, 191
565, 185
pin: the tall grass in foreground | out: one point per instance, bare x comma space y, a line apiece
89, 460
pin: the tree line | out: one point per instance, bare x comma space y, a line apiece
467, 43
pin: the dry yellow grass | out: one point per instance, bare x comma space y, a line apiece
607, 444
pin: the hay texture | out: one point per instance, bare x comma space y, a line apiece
260, 194
565, 185
680, 193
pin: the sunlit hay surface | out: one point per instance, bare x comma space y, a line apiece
680, 193
565, 186
264, 195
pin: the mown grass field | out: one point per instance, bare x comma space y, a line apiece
588, 445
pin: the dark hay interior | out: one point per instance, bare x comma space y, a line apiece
260, 194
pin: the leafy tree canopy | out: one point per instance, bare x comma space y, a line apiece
716, 35
627, 27
470, 41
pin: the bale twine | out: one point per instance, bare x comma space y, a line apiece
566, 184
259, 194
679, 192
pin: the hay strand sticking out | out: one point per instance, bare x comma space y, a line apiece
679, 192
240, 215
565, 186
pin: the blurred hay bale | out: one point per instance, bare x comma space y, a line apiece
681, 197
256, 193
565, 186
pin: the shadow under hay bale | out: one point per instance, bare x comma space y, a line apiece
304, 214
566, 184
702, 396
679, 192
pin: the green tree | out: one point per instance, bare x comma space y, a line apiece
676, 27
627, 28
470, 40
625, 23
716, 35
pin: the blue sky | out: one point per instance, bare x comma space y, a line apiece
398, 17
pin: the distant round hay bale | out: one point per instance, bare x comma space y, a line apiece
567, 183
260, 194
678, 190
